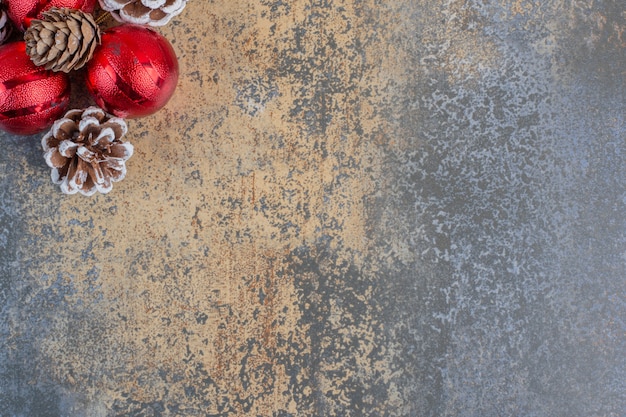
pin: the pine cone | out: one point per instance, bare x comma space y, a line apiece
85, 151
144, 12
63, 40
5, 24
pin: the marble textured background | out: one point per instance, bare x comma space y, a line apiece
349, 208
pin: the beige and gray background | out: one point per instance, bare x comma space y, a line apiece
349, 208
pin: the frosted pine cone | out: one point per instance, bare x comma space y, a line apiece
144, 12
5, 24
85, 151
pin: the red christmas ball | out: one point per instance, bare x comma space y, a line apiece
22, 12
31, 97
134, 71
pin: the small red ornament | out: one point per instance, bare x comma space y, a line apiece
31, 97
133, 73
22, 12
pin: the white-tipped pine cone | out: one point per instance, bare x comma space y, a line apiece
5, 24
144, 12
85, 151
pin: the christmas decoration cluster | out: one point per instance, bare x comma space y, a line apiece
130, 71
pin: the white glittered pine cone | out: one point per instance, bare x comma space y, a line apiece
144, 12
5, 24
85, 151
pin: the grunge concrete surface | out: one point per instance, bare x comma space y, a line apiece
349, 208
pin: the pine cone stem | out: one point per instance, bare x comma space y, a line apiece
100, 20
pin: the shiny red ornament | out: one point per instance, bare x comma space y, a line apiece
22, 12
31, 97
134, 71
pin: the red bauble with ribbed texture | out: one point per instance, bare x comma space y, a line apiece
22, 12
133, 73
31, 97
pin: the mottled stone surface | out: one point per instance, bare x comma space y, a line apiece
349, 208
